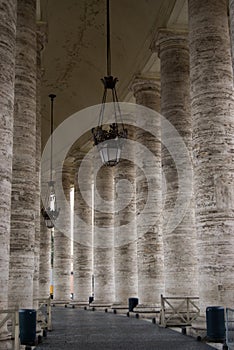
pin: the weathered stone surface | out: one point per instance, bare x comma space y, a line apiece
125, 251
213, 130
44, 233
103, 253
24, 153
180, 256
45, 260
39, 38
62, 241
7, 77
149, 240
83, 243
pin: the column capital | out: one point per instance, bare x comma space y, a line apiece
168, 38
144, 83
78, 156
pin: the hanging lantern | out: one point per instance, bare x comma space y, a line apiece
109, 139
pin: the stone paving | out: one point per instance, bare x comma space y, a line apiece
76, 329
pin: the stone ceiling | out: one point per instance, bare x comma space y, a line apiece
74, 59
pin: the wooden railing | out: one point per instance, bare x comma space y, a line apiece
42, 302
178, 311
12, 315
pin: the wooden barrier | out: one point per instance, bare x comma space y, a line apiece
178, 311
12, 315
47, 324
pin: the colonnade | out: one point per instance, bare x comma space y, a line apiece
194, 257
194, 92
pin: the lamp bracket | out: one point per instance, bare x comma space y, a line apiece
109, 82
52, 96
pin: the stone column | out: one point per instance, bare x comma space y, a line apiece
45, 260
149, 241
82, 246
7, 77
125, 249
213, 133
62, 241
104, 238
24, 153
180, 256
44, 233
40, 36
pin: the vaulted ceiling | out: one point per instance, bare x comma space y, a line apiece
74, 58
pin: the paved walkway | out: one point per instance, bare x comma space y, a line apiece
75, 329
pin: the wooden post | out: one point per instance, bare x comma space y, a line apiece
162, 311
49, 321
16, 321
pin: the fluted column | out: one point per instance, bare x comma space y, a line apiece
24, 153
40, 36
82, 247
104, 238
125, 249
180, 256
62, 241
44, 233
45, 260
213, 132
7, 77
149, 242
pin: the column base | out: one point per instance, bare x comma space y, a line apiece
5, 335
40, 316
198, 328
79, 304
118, 308
146, 311
6, 344
57, 302
100, 305
6, 331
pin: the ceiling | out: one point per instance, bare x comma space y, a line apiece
74, 58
